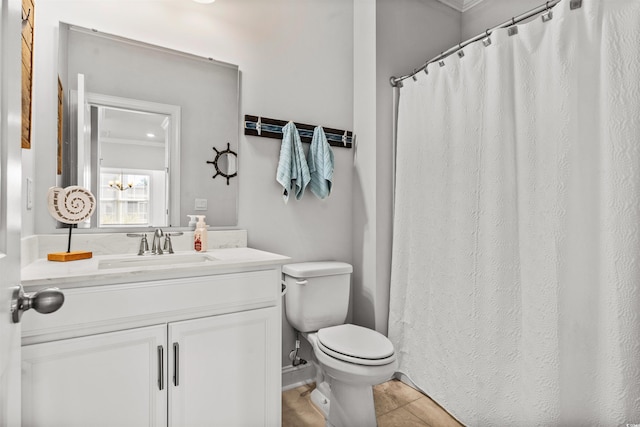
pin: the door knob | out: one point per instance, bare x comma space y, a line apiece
44, 301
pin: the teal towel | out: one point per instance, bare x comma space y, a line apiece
320, 162
293, 172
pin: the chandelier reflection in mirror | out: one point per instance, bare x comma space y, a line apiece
118, 184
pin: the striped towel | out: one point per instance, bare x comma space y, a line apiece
293, 172
320, 161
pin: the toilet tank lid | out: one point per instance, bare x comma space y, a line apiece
316, 269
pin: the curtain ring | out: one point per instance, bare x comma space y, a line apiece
513, 20
547, 5
487, 40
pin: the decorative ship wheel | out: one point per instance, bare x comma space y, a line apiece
225, 163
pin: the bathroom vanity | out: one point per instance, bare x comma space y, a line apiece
151, 341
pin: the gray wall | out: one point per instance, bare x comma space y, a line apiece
409, 32
392, 37
490, 13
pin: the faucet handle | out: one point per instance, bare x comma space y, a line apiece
167, 241
144, 245
168, 247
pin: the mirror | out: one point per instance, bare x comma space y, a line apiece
137, 123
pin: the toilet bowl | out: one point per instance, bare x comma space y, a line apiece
350, 358
350, 394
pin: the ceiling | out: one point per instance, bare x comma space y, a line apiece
129, 126
461, 5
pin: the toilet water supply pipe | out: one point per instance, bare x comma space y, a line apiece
295, 360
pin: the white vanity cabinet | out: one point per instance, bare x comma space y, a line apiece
220, 368
182, 352
99, 380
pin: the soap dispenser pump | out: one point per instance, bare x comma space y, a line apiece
192, 222
200, 235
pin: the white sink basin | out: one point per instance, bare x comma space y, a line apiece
131, 261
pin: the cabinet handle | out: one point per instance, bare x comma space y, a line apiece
176, 363
160, 367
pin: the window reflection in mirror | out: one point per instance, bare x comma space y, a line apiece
132, 167
124, 198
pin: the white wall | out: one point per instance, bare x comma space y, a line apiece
296, 63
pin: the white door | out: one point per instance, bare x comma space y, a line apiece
112, 379
225, 370
10, 207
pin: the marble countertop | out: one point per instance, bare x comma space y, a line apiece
100, 270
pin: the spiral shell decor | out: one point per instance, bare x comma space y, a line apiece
70, 205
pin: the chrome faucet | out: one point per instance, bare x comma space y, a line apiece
156, 246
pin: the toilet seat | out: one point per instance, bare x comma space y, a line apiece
355, 344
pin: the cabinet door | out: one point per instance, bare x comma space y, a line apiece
225, 370
101, 380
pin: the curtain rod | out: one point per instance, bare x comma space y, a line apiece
574, 4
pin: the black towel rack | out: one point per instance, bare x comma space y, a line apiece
272, 128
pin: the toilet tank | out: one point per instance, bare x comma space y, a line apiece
317, 294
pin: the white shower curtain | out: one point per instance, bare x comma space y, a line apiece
516, 253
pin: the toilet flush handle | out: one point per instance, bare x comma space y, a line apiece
301, 282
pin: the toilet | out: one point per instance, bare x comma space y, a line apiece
350, 359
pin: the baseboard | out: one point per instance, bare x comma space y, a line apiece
295, 376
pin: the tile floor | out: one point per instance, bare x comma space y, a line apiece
397, 405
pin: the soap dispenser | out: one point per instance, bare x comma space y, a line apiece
192, 222
200, 235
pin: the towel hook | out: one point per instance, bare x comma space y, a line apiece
259, 125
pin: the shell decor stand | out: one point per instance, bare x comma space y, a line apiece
70, 205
